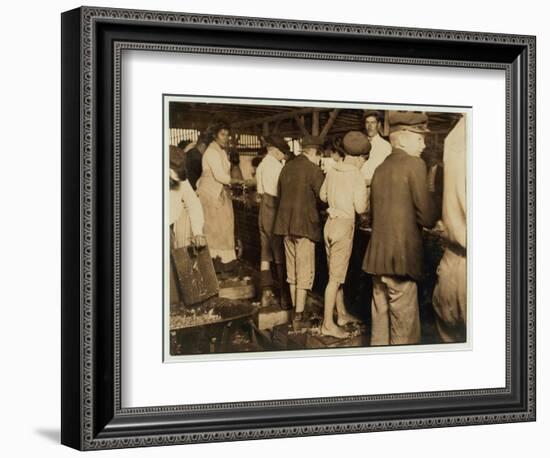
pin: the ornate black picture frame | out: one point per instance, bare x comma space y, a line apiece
92, 42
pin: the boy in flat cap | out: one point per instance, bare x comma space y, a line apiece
345, 192
400, 206
298, 219
267, 179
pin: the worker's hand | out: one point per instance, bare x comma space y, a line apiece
364, 221
174, 179
198, 241
250, 183
440, 226
441, 229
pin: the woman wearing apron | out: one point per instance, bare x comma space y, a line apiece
213, 192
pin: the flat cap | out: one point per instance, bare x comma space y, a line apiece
356, 143
374, 113
310, 141
412, 121
278, 142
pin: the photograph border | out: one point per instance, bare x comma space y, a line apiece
306, 352
92, 42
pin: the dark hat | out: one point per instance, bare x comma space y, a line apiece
177, 162
278, 142
356, 143
311, 141
412, 121
177, 157
374, 113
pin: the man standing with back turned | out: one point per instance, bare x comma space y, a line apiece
400, 206
345, 192
267, 179
298, 219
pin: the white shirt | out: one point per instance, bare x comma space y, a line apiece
344, 190
454, 183
267, 175
327, 163
185, 205
380, 150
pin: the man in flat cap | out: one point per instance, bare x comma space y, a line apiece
400, 206
345, 192
381, 148
267, 179
298, 219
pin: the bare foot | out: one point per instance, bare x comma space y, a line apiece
334, 331
346, 319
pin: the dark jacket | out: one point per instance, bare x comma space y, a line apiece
299, 185
401, 205
193, 166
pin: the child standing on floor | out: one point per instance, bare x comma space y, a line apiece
345, 192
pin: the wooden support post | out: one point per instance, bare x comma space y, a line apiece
301, 125
386, 128
330, 122
315, 123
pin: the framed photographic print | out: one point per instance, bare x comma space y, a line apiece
277, 228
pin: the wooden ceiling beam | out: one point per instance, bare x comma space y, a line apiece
301, 125
278, 117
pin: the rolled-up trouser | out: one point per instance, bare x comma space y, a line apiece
395, 313
449, 297
338, 235
300, 261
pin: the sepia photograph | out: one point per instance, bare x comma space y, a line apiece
308, 226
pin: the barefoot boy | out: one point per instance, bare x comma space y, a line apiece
345, 192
